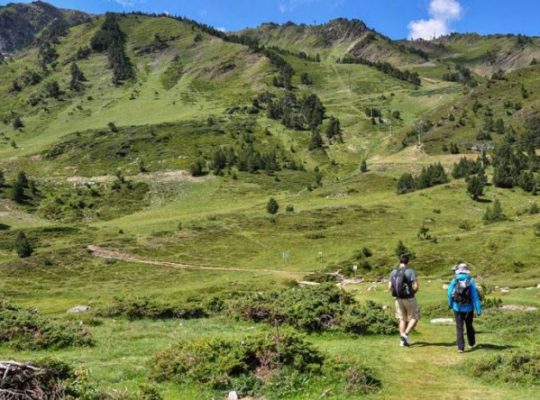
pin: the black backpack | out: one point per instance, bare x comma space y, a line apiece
462, 292
401, 287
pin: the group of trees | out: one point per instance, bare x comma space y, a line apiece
285, 70
384, 67
110, 38
247, 159
461, 74
512, 167
47, 54
431, 175
294, 113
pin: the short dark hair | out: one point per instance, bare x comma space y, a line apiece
404, 258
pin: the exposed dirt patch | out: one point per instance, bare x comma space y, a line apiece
113, 254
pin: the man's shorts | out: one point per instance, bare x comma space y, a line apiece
407, 309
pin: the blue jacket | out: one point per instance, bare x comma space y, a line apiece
475, 298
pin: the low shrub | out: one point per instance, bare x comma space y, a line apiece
314, 309
25, 329
510, 325
368, 319
511, 368
144, 308
275, 365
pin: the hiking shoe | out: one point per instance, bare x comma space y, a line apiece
461, 351
405, 341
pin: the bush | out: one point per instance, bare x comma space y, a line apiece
27, 330
273, 365
314, 309
220, 364
494, 214
512, 368
369, 319
272, 206
142, 308
23, 246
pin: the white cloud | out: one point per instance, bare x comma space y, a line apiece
442, 13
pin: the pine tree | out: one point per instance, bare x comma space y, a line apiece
494, 214
316, 141
401, 249
499, 126
272, 206
77, 77
23, 246
526, 181
363, 166
475, 187
406, 184
52, 89
17, 123
333, 130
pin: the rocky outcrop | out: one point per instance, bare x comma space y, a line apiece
21, 23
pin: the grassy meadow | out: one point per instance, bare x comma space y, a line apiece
111, 166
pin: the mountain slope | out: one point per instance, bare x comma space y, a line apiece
333, 40
21, 23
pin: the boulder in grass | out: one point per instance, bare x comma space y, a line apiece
442, 321
78, 309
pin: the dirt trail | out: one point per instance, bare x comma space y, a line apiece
117, 255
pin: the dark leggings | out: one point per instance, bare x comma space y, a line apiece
467, 319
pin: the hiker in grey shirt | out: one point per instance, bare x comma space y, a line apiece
403, 284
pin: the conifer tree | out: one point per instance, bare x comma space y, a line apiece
23, 246
475, 187
77, 77
316, 141
272, 206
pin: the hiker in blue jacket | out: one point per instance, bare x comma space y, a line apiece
463, 298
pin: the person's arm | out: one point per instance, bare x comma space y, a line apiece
450, 291
415, 285
390, 281
476, 298
414, 281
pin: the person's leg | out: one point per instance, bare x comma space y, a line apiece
410, 326
413, 313
471, 334
402, 326
459, 330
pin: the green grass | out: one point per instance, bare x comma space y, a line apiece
162, 121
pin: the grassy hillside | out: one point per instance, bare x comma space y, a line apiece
333, 40
147, 199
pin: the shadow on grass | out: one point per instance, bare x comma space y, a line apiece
434, 344
489, 346
481, 200
481, 346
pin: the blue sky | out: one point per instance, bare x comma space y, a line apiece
395, 18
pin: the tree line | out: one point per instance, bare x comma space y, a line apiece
111, 39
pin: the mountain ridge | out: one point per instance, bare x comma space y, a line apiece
21, 23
